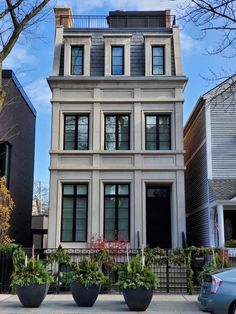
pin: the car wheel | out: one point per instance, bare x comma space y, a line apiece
232, 308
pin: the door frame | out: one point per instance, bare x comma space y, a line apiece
173, 209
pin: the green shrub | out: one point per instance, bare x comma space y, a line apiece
134, 275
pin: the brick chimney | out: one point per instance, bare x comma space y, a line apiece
168, 19
63, 17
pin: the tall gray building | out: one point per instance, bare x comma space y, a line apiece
117, 165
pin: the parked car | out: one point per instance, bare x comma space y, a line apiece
218, 292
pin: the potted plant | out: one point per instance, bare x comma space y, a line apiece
30, 279
86, 281
137, 282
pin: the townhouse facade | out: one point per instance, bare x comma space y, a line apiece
17, 140
210, 144
117, 158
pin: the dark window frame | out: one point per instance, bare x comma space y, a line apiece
75, 195
117, 195
7, 156
71, 58
163, 48
157, 130
77, 116
123, 59
117, 130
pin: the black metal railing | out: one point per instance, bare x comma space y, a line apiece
172, 276
101, 21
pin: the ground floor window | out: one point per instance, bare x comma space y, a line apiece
74, 213
116, 211
5, 160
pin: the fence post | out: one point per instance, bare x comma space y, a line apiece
167, 272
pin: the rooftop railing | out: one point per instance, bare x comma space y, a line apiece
101, 21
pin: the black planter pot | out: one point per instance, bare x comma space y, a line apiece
84, 296
138, 299
33, 295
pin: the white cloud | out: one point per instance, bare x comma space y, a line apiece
188, 44
39, 94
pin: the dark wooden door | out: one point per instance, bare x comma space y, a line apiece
158, 218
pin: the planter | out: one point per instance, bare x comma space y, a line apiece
33, 295
138, 299
84, 296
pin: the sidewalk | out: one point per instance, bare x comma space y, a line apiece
64, 304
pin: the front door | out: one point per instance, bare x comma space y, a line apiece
158, 218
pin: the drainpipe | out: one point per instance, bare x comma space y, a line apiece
221, 228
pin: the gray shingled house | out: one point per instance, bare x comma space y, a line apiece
210, 159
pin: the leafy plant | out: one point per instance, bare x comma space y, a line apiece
8, 247
87, 273
135, 275
28, 271
230, 243
6, 208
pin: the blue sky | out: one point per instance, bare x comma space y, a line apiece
31, 60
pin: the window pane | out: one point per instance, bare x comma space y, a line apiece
123, 146
76, 51
151, 119
164, 120
110, 128
117, 70
109, 202
117, 51
117, 67
80, 236
110, 235
123, 235
110, 137
123, 224
110, 146
74, 213
110, 224
110, 189
151, 146
66, 235
158, 51
151, 137
158, 70
68, 189
123, 189
77, 60
81, 189
164, 145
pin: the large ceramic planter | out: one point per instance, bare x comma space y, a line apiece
84, 296
138, 299
33, 295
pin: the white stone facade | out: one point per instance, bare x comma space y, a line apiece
135, 96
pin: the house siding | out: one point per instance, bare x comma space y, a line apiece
223, 130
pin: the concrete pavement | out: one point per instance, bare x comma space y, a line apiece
64, 304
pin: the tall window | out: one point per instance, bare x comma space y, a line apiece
158, 60
5, 160
117, 60
117, 212
117, 132
76, 135
157, 132
77, 60
74, 213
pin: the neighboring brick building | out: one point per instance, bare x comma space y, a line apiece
117, 159
17, 139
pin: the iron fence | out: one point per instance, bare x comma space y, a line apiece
172, 276
101, 21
